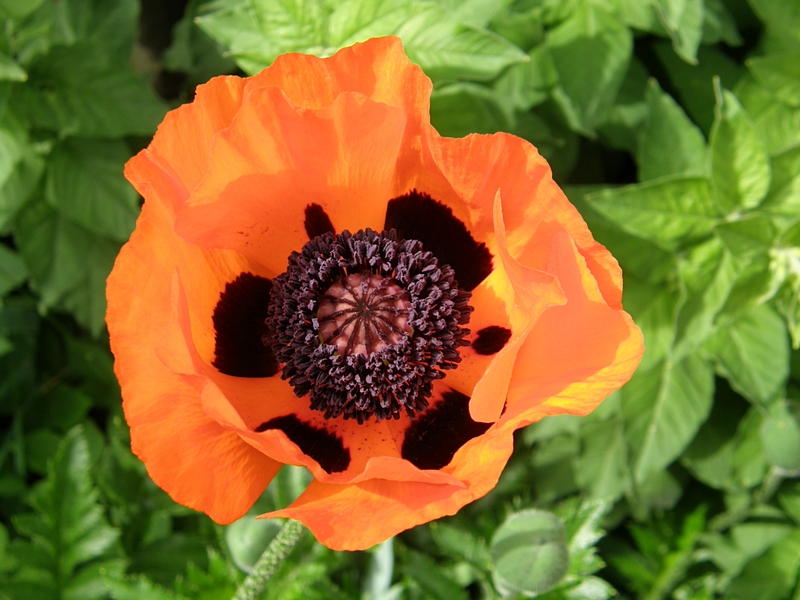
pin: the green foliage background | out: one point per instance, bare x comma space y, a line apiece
673, 125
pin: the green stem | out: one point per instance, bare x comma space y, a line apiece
273, 556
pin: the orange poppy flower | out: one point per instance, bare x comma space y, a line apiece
318, 278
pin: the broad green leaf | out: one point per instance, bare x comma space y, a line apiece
459, 109
780, 74
602, 466
639, 14
12, 148
528, 84
710, 455
78, 90
257, 31
757, 282
626, 118
529, 552
19, 8
782, 20
12, 270
740, 167
590, 51
138, 588
247, 539
68, 264
777, 124
668, 212
784, 193
770, 576
447, 49
663, 409
461, 544
683, 20
719, 25
749, 237
654, 309
85, 184
709, 273
19, 185
780, 434
670, 143
752, 354
694, 83
637, 255
10, 70
787, 301
435, 583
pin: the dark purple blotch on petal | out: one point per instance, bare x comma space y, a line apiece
320, 444
436, 435
317, 221
416, 216
239, 328
490, 340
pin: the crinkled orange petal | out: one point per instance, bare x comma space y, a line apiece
358, 516
275, 160
578, 353
478, 166
186, 453
179, 151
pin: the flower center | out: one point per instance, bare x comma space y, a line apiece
363, 314
363, 324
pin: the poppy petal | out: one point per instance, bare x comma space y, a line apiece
163, 409
276, 159
578, 353
180, 149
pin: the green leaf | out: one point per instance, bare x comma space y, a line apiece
529, 552
780, 74
683, 20
670, 143
10, 70
709, 273
69, 528
602, 467
136, 588
780, 434
85, 184
694, 83
528, 84
770, 576
435, 583
719, 25
257, 31
462, 108
782, 20
752, 353
68, 264
19, 8
784, 193
12, 270
78, 90
655, 309
749, 237
446, 48
777, 124
627, 117
668, 212
663, 409
461, 544
740, 167
19, 184
590, 52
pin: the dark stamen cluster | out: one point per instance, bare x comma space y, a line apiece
365, 324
